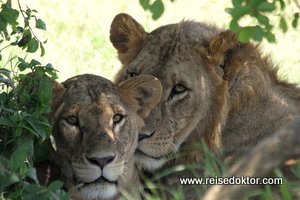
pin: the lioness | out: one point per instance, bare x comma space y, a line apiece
214, 87
95, 126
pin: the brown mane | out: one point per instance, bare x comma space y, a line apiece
243, 99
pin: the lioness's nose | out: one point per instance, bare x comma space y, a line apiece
101, 162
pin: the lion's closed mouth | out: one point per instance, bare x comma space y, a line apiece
99, 180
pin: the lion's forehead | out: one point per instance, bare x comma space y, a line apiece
96, 109
167, 52
174, 70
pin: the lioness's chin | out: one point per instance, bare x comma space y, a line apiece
148, 162
91, 191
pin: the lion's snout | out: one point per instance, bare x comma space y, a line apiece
101, 161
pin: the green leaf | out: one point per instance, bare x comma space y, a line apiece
31, 173
18, 157
21, 60
157, 8
234, 26
3, 97
55, 185
40, 24
32, 188
255, 3
282, 4
45, 93
25, 38
37, 127
145, 4
7, 122
3, 23
51, 71
39, 71
23, 169
257, 33
295, 21
10, 15
240, 11
236, 3
18, 132
42, 50
270, 37
33, 46
245, 34
34, 63
228, 10
9, 180
25, 142
4, 167
283, 25
266, 6
23, 66
263, 19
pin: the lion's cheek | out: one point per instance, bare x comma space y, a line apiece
114, 170
84, 172
69, 132
187, 119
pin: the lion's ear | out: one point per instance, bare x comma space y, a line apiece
127, 36
143, 92
226, 51
58, 90
56, 86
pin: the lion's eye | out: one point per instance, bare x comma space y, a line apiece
177, 89
72, 120
117, 118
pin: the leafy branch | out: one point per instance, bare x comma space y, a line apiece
260, 10
23, 102
156, 8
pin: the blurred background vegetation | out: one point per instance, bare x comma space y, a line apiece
78, 33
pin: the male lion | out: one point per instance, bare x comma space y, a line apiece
214, 87
95, 126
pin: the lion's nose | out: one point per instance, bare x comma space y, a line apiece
101, 162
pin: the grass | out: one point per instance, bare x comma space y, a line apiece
78, 40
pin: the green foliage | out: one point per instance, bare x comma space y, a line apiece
156, 8
23, 101
259, 10
8, 21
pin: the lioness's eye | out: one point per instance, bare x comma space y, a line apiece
72, 120
117, 118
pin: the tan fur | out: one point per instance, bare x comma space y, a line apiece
95, 146
233, 96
